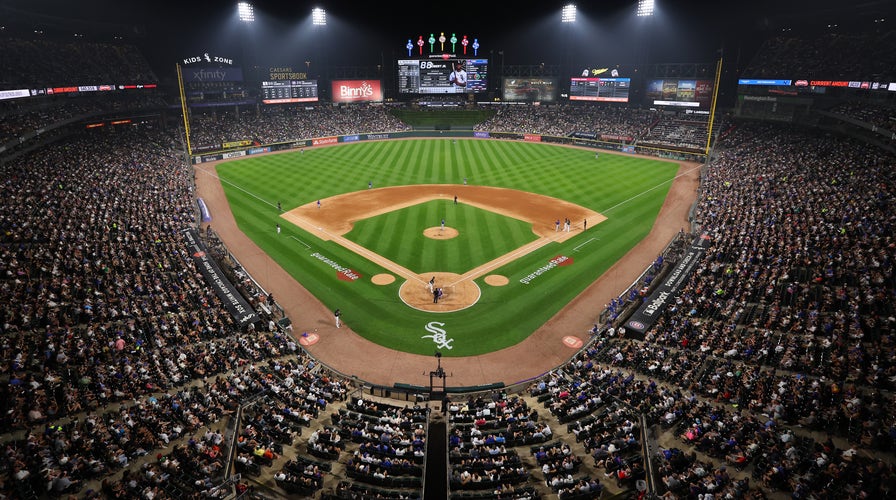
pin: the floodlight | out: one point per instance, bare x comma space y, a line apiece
318, 17
246, 12
569, 14
645, 8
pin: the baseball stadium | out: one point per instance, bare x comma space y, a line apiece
634, 251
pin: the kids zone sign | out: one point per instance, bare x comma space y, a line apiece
357, 91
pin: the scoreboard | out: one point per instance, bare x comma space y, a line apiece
433, 76
599, 89
288, 91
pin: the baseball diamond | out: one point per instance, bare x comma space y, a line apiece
258, 251
485, 340
349, 207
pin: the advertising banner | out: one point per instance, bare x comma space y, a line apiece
652, 308
357, 91
234, 302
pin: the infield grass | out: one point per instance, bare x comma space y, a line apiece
627, 189
483, 236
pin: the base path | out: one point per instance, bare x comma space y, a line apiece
544, 350
336, 215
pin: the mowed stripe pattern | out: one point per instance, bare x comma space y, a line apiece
484, 236
628, 190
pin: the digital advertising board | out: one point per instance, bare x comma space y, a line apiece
357, 91
599, 89
443, 75
680, 92
529, 89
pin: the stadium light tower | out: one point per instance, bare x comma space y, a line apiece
318, 17
246, 12
568, 15
645, 8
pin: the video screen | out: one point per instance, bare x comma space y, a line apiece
680, 92
530, 89
599, 89
442, 76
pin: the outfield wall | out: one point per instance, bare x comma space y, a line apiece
595, 144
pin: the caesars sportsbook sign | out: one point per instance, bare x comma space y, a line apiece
357, 91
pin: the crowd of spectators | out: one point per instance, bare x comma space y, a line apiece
20, 117
114, 346
788, 318
116, 349
678, 132
880, 116
857, 55
613, 123
269, 125
43, 62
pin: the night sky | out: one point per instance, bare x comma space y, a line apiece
606, 33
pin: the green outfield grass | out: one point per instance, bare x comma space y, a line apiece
627, 189
483, 236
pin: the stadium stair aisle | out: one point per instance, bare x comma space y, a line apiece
436, 479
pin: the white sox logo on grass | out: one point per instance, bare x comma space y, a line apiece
342, 272
439, 336
560, 260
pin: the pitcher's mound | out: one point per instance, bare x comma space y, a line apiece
437, 233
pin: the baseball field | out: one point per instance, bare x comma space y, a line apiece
361, 229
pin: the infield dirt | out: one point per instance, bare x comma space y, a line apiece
544, 350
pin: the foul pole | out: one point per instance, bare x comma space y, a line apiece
712, 109
183, 108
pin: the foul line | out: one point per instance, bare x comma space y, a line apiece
359, 250
500, 261
472, 274
623, 202
259, 198
576, 249
302, 242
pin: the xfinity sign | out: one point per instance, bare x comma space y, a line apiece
206, 75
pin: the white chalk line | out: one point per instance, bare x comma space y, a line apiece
302, 242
